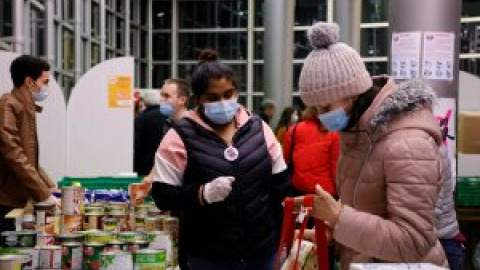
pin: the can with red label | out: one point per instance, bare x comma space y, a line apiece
49, 257
72, 256
137, 192
91, 255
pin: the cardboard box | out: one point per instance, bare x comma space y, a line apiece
469, 132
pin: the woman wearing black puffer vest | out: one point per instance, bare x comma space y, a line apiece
223, 170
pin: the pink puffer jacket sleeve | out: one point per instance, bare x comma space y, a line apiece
407, 232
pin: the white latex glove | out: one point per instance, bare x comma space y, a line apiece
218, 189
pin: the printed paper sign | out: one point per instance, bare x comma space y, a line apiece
406, 47
438, 55
120, 91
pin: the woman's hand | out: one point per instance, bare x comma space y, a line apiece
325, 207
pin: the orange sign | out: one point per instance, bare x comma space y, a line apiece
120, 91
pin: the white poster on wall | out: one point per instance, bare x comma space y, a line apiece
438, 55
406, 47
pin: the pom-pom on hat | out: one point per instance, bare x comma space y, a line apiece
333, 70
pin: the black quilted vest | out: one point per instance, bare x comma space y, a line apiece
242, 226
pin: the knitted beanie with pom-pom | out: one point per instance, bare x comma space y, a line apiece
333, 70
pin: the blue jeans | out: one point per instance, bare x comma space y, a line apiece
197, 263
455, 252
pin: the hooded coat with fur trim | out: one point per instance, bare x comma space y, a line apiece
389, 178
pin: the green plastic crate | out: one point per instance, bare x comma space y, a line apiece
468, 191
100, 182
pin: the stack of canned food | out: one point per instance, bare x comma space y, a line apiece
101, 235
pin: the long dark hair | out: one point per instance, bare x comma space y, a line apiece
285, 118
362, 103
209, 68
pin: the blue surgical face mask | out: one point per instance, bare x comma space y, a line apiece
167, 109
336, 120
221, 112
42, 95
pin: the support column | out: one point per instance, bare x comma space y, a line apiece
174, 37
78, 39
278, 52
103, 32
18, 35
347, 14
50, 31
127, 28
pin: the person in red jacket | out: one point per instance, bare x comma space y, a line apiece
315, 154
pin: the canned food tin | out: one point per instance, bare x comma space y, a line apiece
72, 256
122, 219
116, 260
30, 262
68, 238
73, 201
137, 192
115, 245
153, 224
140, 224
116, 206
19, 239
110, 224
92, 221
44, 213
91, 255
141, 210
155, 212
11, 262
44, 239
96, 210
72, 223
149, 259
57, 221
49, 257
99, 236
137, 245
129, 237
160, 240
98, 204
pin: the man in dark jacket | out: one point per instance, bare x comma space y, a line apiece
150, 126
21, 178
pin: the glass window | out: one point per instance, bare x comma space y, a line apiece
470, 8
68, 50
229, 45
143, 75
297, 102
470, 37
259, 5
37, 33
258, 78
297, 68
185, 70
161, 46
309, 11
375, 11
109, 29
120, 38
95, 20
377, 68
68, 9
135, 50
374, 42
144, 44
212, 14
258, 45
6, 22
301, 45
162, 14
134, 6
257, 101
160, 74
95, 53
470, 65
242, 99
67, 86
120, 6
143, 14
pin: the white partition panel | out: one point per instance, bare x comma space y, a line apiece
100, 120
51, 123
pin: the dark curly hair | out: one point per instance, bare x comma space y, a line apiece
27, 66
209, 68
